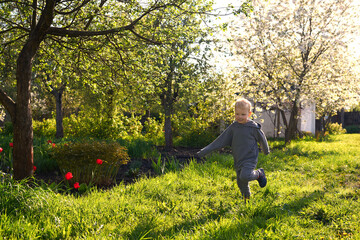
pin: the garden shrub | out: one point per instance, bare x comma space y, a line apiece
139, 148
44, 128
321, 136
102, 128
353, 129
8, 129
42, 160
192, 132
91, 162
153, 130
306, 136
83, 126
196, 138
5, 153
335, 128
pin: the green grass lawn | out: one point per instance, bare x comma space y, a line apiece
312, 193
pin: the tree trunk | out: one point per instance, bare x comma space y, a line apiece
222, 125
322, 124
168, 97
342, 117
291, 130
59, 117
277, 123
285, 122
167, 102
22, 118
22, 121
168, 129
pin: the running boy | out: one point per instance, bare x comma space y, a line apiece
243, 135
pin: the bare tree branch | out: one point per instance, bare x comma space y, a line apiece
33, 20
13, 28
73, 10
15, 40
78, 33
92, 17
144, 38
17, 26
8, 103
25, 3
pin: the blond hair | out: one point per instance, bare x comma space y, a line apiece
243, 103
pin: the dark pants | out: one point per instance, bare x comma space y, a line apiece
243, 177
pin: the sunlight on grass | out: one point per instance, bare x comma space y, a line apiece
312, 193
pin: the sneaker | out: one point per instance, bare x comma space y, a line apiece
262, 178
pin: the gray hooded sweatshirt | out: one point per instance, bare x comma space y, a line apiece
243, 139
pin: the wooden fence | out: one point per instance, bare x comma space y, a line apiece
350, 118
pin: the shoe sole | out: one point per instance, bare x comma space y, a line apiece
263, 182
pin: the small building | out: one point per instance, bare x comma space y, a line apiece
273, 125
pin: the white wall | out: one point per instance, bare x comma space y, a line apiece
306, 122
267, 119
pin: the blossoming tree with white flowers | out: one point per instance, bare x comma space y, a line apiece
293, 51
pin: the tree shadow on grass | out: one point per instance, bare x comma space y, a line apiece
245, 222
145, 228
258, 218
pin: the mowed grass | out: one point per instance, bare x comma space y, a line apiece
313, 192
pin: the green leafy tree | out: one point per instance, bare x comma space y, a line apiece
54, 71
30, 23
174, 70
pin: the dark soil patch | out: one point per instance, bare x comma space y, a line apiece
139, 167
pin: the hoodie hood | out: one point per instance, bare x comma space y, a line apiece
250, 123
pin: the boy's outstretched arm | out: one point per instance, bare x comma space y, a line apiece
221, 141
264, 146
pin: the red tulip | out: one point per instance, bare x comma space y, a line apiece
1, 150
53, 145
99, 161
49, 141
76, 185
34, 167
68, 176
11, 144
